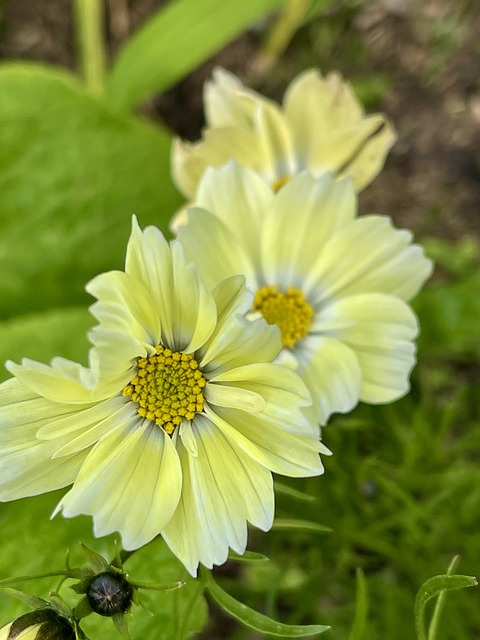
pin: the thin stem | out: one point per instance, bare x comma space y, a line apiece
33, 576
90, 28
437, 612
281, 34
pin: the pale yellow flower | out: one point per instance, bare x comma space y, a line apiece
336, 285
320, 127
178, 424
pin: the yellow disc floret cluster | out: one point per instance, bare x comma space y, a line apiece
289, 311
167, 387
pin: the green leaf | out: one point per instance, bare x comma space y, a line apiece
248, 556
72, 173
175, 41
433, 587
359, 625
289, 524
290, 492
41, 336
255, 620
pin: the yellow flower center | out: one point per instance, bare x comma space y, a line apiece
289, 311
167, 388
281, 182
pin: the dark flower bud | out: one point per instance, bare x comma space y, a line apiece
42, 624
109, 594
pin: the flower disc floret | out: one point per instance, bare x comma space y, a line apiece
289, 311
167, 388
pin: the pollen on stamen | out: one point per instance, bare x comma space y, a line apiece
289, 311
281, 182
168, 388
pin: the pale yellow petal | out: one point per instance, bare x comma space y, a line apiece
368, 255
215, 250
130, 482
305, 215
332, 373
380, 332
222, 489
62, 381
276, 144
239, 198
223, 395
194, 312
220, 98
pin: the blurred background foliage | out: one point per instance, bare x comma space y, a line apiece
78, 156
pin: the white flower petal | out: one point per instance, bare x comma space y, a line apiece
222, 489
380, 333
239, 198
276, 144
368, 255
220, 97
130, 482
215, 250
305, 215
332, 373
235, 397
194, 313
57, 382
288, 449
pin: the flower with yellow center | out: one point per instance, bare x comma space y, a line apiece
179, 421
320, 127
337, 286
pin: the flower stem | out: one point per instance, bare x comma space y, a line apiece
281, 34
33, 576
90, 28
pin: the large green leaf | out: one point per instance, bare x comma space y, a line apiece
72, 173
175, 41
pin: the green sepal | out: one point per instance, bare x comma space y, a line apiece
83, 609
248, 556
95, 560
255, 620
32, 601
120, 621
60, 606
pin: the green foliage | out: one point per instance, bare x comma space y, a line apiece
255, 620
175, 41
72, 172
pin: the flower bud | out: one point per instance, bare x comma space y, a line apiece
42, 624
109, 594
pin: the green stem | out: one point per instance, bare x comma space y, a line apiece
281, 34
33, 576
435, 620
90, 28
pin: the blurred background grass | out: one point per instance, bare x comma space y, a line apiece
402, 491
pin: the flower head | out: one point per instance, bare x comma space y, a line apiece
320, 127
334, 284
178, 423
42, 624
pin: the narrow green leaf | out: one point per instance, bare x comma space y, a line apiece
359, 625
288, 524
26, 598
433, 587
255, 620
96, 561
157, 587
248, 556
293, 493
175, 41
440, 603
